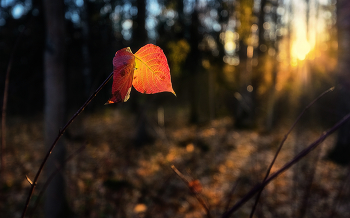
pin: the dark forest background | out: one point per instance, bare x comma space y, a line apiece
226, 57
237, 66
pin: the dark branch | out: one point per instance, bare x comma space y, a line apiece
281, 145
56, 140
297, 158
196, 195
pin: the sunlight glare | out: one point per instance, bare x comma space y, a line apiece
301, 48
230, 47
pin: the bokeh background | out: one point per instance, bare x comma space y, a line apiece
242, 71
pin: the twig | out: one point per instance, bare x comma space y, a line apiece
281, 145
196, 195
53, 174
297, 158
60, 133
30, 181
182, 177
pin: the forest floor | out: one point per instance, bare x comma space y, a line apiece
110, 176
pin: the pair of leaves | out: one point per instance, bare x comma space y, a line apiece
147, 70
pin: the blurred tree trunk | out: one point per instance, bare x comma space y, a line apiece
272, 89
260, 70
341, 152
180, 30
140, 38
244, 111
193, 63
85, 49
54, 66
224, 9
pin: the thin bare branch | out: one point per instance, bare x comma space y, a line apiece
30, 181
297, 158
195, 194
281, 145
53, 174
60, 133
182, 177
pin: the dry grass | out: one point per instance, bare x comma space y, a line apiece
112, 177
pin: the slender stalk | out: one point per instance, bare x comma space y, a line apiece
297, 158
281, 145
198, 197
60, 133
53, 174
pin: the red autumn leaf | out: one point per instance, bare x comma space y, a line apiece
152, 73
123, 71
147, 70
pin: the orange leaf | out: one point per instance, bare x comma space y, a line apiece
152, 73
123, 71
147, 70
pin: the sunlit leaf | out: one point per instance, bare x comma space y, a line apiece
148, 71
123, 71
152, 73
